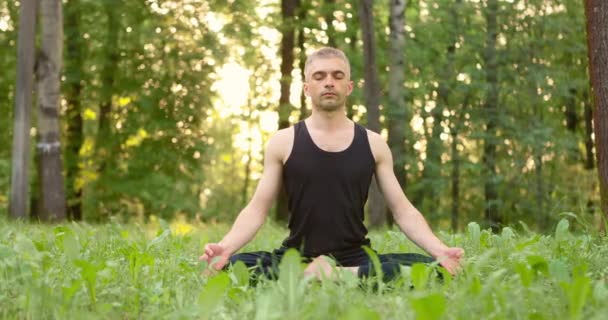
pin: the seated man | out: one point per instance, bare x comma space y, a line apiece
326, 163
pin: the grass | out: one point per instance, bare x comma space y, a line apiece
115, 271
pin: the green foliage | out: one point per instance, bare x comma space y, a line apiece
174, 144
145, 271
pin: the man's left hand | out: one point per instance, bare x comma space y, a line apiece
449, 258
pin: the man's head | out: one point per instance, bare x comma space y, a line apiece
327, 79
325, 53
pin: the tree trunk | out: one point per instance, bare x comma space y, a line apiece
597, 42
23, 106
48, 73
398, 115
570, 113
108, 74
328, 10
455, 214
302, 60
288, 10
377, 208
590, 156
74, 75
397, 112
248, 118
456, 122
491, 111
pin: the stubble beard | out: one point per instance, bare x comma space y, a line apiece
331, 105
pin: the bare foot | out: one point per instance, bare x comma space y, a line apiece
320, 268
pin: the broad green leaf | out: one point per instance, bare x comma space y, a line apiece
561, 231
213, 293
474, 234
577, 292
559, 271
525, 273
360, 312
25, 247
71, 246
420, 275
538, 264
475, 285
429, 307
240, 274
290, 277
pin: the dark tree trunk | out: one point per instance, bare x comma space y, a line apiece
48, 75
250, 121
302, 59
570, 113
288, 11
377, 208
456, 122
597, 42
23, 106
74, 79
590, 156
398, 115
490, 106
455, 214
330, 6
103, 143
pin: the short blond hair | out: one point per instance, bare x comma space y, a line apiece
325, 53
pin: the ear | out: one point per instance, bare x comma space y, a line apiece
349, 87
305, 88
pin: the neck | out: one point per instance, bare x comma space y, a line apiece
328, 120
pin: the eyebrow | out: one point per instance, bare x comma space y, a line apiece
332, 72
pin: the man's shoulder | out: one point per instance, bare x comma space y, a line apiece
282, 135
373, 136
377, 144
280, 143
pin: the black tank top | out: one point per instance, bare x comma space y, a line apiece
327, 192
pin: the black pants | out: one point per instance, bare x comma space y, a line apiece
265, 263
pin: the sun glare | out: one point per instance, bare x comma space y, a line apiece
233, 88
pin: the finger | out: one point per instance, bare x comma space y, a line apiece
460, 252
204, 257
220, 264
217, 262
208, 251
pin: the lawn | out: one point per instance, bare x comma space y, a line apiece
131, 271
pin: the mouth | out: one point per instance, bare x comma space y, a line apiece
328, 94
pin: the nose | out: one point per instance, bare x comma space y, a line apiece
329, 82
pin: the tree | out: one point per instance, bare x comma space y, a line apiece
377, 208
398, 114
48, 73
490, 107
23, 103
73, 94
302, 58
108, 79
288, 11
328, 15
597, 42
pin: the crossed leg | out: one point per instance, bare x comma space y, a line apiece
263, 263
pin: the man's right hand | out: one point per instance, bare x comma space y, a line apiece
216, 256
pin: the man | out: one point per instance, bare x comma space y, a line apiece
326, 163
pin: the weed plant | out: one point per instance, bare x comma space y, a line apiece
151, 271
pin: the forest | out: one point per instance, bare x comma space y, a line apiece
135, 133
164, 107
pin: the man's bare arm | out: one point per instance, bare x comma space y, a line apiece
252, 217
409, 219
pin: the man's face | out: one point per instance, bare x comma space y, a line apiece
328, 83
